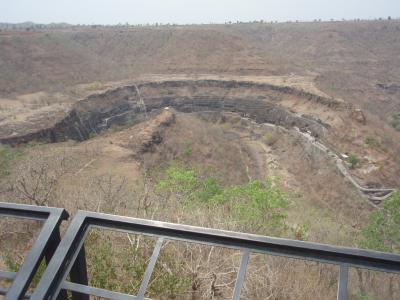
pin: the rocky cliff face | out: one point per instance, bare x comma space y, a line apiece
124, 104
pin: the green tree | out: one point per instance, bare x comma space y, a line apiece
371, 141
209, 187
353, 161
257, 204
178, 181
383, 230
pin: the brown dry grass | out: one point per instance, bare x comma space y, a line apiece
110, 174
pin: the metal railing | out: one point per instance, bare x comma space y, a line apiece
70, 253
44, 246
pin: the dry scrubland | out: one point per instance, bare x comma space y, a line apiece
212, 169
348, 59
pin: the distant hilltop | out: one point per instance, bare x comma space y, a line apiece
32, 25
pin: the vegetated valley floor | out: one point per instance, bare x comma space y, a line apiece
103, 113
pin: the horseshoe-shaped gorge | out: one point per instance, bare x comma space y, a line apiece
289, 131
262, 103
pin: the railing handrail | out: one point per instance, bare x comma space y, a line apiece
71, 248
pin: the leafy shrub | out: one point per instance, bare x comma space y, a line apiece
361, 296
208, 188
301, 232
370, 141
383, 230
270, 138
13, 265
353, 160
182, 182
103, 272
259, 204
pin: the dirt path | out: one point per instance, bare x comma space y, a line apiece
267, 163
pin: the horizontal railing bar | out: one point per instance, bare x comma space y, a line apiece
33, 212
89, 290
3, 292
368, 259
8, 275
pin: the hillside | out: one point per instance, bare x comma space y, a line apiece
350, 60
287, 130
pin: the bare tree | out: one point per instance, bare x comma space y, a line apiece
111, 192
37, 178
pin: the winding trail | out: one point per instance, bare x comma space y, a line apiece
375, 196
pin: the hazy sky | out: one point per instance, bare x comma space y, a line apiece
190, 11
